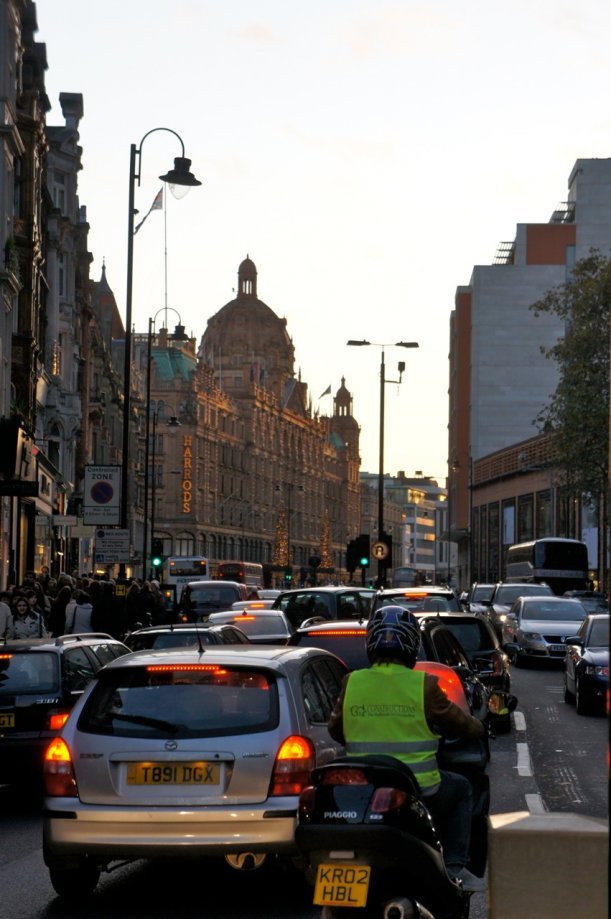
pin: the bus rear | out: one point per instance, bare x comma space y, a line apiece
184, 568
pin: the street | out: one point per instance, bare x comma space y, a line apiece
553, 759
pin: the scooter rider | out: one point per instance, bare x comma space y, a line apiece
393, 709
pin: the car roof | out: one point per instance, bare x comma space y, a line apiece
176, 627
272, 656
214, 583
553, 599
414, 591
333, 625
61, 641
328, 589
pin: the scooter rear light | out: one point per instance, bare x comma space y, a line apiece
387, 799
344, 776
294, 763
56, 720
306, 801
58, 773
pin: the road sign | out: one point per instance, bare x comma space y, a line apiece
111, 546
102, 495
379, 550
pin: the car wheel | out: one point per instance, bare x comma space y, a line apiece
569, 698
518, 660
582, 706
74, 883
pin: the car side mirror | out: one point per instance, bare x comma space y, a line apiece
574, 640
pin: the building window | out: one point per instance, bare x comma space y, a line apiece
61, 274
525, 518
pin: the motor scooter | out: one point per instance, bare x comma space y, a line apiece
369, 843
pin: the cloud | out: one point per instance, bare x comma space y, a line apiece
394, 30
257, 33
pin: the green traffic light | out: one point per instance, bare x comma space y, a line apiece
156, 562
364, 562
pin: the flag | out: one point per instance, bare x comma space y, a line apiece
327, 392
155, 206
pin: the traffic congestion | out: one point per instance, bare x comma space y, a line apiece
202, 744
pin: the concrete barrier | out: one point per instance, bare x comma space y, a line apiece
546, 866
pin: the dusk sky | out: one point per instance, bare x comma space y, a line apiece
366, 155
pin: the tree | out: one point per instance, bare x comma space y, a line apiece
577, 416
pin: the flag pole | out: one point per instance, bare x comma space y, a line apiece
165, 255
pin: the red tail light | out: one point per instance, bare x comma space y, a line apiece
294, 763
449, 682
56, 720
58, 774
344, 776
387, 799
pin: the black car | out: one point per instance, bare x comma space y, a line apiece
40, 680
347, 641
427, 599
586, 665
325, 603
160, 637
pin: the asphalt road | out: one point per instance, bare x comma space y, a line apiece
552, 760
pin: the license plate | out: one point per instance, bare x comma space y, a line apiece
7, 720
557, 649
342, 885
173, 774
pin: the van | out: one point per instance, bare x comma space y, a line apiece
199, 598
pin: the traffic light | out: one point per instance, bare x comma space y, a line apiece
362, 550
351, 556
156, 552
288, 575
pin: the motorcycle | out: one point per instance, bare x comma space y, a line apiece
369, 844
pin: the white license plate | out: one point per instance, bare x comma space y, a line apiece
342, 885
200, 773
557, 649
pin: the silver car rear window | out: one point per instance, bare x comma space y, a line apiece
23, 672
181, 701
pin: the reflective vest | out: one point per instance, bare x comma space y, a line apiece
384, 713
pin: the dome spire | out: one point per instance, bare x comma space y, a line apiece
247, 279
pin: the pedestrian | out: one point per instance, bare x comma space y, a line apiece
132, 608
57, 616
6, 617
27, 623
78, 621
159, 613
145, 604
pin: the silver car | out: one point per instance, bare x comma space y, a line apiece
187, 752
536, 627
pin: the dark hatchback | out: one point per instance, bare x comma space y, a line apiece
160, 637
325, 603
40, 680
586, 665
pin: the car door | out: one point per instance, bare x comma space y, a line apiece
79, 669
321, 679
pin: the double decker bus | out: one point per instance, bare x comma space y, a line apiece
561, 563
249, 573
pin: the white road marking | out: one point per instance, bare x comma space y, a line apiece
519, 721
535, 804
524, 763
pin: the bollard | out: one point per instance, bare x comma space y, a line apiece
547, 865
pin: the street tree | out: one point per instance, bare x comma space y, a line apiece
577, 416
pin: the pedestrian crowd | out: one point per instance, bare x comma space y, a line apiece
42, 606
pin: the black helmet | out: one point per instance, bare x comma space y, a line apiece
392, 632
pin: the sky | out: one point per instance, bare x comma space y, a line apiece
365, 155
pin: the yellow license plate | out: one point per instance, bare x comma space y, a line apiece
342, 885
7, 720
173, 774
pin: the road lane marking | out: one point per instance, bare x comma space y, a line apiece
535, 804
524, 764
519, 721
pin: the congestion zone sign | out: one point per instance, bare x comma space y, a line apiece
102, 495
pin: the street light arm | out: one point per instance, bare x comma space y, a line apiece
138, 150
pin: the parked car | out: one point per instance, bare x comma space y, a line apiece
479, 597
40, 680
199, 598
428, 598
325, 603
176, 753
504, 596
586, 665
160, 637
253, 604
263, 626
536, 627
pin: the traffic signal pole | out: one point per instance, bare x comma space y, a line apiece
381, 567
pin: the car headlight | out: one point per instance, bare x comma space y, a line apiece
502, 617
531, 636
591, 670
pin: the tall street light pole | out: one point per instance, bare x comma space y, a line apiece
381, 581
181, 177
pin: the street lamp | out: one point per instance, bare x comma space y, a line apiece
178, 335
401, 367
181, 176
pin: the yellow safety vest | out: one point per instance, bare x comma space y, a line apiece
384, 713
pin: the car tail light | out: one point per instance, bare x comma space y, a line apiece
344, 776
498, 662
58, 773
56, 720
449, 682
244, 618
294, 763
340, 632
387, 799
